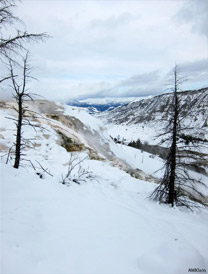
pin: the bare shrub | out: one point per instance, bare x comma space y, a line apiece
76, 172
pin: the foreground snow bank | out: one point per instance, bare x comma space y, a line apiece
105, 226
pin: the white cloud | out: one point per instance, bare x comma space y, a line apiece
195, 14
98, 46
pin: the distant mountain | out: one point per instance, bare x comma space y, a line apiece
95, 105
149, 112
93, 108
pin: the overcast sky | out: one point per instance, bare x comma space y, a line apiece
116, 48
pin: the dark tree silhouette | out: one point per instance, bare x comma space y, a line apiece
24, 115
12, 48
177, 187
10, 45
19, 94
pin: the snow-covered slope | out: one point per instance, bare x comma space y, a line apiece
63, 129
105, 224
142, 119
59, 125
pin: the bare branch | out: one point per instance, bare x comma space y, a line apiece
177, 187
45, 170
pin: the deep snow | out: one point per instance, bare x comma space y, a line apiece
105, 225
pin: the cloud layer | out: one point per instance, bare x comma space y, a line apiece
115, 48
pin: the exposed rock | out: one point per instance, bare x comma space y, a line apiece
3, 148
94, 155
68, 143
139, 174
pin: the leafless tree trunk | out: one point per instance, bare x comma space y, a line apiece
12, 46
173, 148
19, 133
24, 114
20, 95
177, 187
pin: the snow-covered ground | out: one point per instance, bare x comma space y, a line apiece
138, 159
106, 224
130, 133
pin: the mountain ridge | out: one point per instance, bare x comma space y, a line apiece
149, 112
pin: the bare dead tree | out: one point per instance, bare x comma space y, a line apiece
177, 187
13, 44
12, 47
21, 95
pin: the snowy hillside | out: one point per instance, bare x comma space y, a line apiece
63, 129
142, 119
100, 220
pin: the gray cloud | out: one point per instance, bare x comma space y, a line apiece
192, 71
194, 12
145, 91
109, 48
131, 92
199, 66
154, 83
140, 79
113, 21
196, 71
136, 86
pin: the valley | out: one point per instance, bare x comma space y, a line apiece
100, 213
103, 137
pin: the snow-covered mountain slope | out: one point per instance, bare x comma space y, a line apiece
142, 119
104, 224
64, 129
